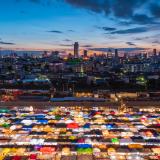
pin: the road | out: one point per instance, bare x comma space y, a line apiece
134, 104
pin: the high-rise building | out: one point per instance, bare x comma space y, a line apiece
55, 53
76, 50
95, 54
25, 55
45, 54
126, 55
116, 53
116, 58
154, 52
85, 53
70, 56
109, 53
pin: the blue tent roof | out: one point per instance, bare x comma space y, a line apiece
43, 121
76, 99
84, 146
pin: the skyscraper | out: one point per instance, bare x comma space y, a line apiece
85, 53
154, 52
109, 53
116, 53
76, 50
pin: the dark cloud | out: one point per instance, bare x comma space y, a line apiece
68, 40
155, 9
56, 31
107, 28
94, 5
156, 42
6, 43
120, 8
87, 46
131, 30
130, 44
70, 30
126, 8
123, 9
138, 39
141, 38
142, 19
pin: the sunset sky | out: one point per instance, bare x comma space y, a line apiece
57, 24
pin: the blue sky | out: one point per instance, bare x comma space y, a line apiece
56, 24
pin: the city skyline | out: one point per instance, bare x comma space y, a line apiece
57, 24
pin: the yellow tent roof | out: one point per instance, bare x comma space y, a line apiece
135, 146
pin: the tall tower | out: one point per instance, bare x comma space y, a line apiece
154, 52
116, 53
76, 50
